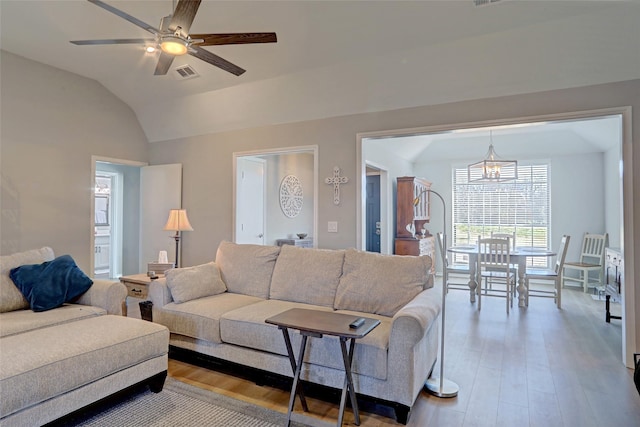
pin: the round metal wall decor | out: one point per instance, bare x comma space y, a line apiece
291, 196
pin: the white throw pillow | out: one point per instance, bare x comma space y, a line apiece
196, 282
381, 284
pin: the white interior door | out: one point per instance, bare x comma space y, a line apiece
160, 191
250, 200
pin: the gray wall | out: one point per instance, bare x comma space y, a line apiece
52, 123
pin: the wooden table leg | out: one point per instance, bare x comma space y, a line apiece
347, 358
294, 368
296, 378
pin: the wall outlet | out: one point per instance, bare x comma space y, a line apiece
332, 226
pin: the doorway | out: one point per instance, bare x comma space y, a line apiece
616, 175
115, 219
285, 192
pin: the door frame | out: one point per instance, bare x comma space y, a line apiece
312, 149
92, 211
627, 211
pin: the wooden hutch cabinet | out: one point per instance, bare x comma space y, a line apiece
411, 219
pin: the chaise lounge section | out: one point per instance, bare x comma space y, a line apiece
57, 361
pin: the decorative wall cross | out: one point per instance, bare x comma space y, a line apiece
336, 180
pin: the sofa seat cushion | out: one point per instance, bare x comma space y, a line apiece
10, 296
48, 362
381, 284
246, 327
307, 275
200, 318
18, 321
247, 269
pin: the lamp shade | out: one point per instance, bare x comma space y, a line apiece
178, 221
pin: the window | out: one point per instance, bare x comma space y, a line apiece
520, 206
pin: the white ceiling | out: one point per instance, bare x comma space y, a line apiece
333, 57
521, 141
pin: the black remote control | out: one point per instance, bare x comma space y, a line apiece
356, 323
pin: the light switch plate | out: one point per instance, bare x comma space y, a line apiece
332, 226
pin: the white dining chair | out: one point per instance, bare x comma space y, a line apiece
502, 235
457, 273
547, 275
591, 260
494, 267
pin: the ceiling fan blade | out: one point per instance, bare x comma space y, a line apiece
124, 15
234, 38
164, 62
183, 16
213, 59
112, 41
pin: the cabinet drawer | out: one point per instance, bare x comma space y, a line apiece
136, 291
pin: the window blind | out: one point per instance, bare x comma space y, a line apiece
521, 206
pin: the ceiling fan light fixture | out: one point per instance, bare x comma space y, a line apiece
173, 45
150, 49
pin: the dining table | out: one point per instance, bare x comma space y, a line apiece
517, 256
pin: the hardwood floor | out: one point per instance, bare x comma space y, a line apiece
538, 366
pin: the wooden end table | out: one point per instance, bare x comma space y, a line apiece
137, 286
312, 323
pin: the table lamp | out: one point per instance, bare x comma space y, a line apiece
178, 222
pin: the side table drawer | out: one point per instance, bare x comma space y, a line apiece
136, 290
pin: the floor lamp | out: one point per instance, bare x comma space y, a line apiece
178, 222
441, 387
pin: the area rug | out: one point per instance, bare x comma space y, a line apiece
178, 404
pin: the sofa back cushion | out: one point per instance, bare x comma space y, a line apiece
195, 282
381, 284
307, 275
247, 269
10, 296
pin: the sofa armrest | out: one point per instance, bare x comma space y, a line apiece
106, 294
159, 293
413, 345
411, 322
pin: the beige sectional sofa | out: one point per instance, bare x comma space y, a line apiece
57, 361
219, 309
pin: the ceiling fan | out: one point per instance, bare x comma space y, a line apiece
174, 39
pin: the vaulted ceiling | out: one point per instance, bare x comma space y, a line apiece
332, 57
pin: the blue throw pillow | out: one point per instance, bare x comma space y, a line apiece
50, 284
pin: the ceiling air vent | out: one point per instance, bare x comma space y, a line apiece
185, 72
484, 2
